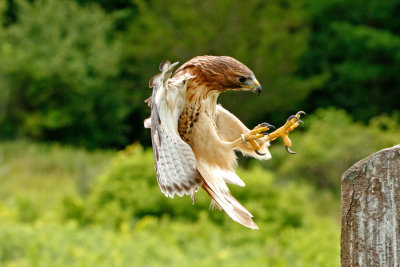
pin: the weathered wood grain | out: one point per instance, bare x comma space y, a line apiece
371, 211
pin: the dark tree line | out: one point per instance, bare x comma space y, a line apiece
77, 72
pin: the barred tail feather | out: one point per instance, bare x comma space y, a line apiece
230, 205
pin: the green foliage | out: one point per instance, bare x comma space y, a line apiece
82, 81
269, 37
128, 193
59, 75
155, 242
128, 190
331, 143
34, 178
77, 72
126, 220
357, 45
110, 5
3, 7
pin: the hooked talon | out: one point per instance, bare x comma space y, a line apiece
269, 126
289, 151
262, 130
266, 132
266, 124
293, 117
297, 116
292, 123
259, 153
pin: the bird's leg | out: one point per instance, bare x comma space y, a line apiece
258, 132
292, 123
261, 131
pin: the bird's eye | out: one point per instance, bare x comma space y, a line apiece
242, 79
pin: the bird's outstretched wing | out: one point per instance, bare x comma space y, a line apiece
175, 162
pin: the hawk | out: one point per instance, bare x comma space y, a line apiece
194, 139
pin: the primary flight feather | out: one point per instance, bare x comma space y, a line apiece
194, 139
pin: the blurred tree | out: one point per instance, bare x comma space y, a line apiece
8, 11
269, 37
3, 8
4, 91
123, 11
109, 5
357, 45
55, 72
61, 74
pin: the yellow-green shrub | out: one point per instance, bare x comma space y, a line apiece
125, 220
127, 198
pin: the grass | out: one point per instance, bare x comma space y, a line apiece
43, 174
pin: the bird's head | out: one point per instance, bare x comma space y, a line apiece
222, 73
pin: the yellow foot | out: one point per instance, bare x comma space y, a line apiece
258, 132
292, 123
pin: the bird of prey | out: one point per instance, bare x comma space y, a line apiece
194, 139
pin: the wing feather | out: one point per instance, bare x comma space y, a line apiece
219, 193
175, 162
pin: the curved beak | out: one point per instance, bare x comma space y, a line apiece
252, 85
257, 87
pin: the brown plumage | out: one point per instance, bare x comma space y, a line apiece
194, 139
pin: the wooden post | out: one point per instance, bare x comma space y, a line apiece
371, 211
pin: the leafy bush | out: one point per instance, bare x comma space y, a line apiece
330, 144
126, 220
127, 198
59, 67
128, 190
155, 242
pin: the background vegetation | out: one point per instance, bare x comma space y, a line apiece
73, 78
48, 218
76, 72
